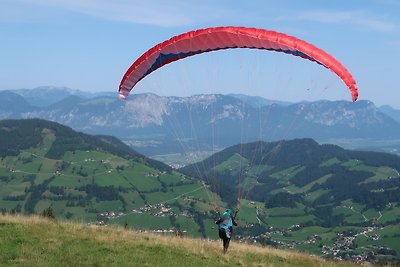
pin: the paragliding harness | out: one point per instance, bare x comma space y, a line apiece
225, 224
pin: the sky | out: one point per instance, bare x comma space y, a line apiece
89, 44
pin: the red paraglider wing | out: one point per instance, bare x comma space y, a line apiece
211, 39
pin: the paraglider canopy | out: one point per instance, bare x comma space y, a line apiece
211, 39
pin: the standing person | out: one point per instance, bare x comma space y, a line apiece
225, 227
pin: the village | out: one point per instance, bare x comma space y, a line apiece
343, 247
157, 210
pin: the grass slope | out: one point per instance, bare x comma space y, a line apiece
33, 241
92, 176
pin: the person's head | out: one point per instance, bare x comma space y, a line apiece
228, 211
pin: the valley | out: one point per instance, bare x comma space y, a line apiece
292, 194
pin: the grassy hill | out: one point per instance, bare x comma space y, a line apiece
34, 241
96, 179
321, 199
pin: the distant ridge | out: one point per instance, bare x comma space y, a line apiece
159, 125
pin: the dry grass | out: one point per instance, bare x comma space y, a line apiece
123, 244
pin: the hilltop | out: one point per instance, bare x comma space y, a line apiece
36, 241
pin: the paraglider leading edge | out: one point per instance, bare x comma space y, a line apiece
218, 38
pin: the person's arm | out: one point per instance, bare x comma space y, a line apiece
234, 222
218, 221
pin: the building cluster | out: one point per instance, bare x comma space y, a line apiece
103, 217
342, 249
155, 174
111, 214
159, 209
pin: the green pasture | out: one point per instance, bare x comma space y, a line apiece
9, 161
206, 195
286, 222
247, 181
170, 179
48, 165
57, 206
390, 230
115, 161
41, 177
132, 199
292, 189
143, 221
286, 212
8, 204
256, 170
391, 242
78, 213
354, 218
74, 192
321, 180
4, 171
305, 233
371, 213
111, 205
288, 173
187, 188
390, 214
173, 178
70, 181
356, 206
204, 206
111, 179
141, 176
30, 167
330, 162
158, 197
14, 187
353, 163
139, 168
80, 156
381, 173
109, 161
91, 167
143, 182
176, 192
235, 164
248, 214
312, 196
342, 210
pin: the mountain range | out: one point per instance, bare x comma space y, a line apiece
155, 125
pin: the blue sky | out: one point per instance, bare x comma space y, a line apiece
89, 44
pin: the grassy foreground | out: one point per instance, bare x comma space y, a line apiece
34, 241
